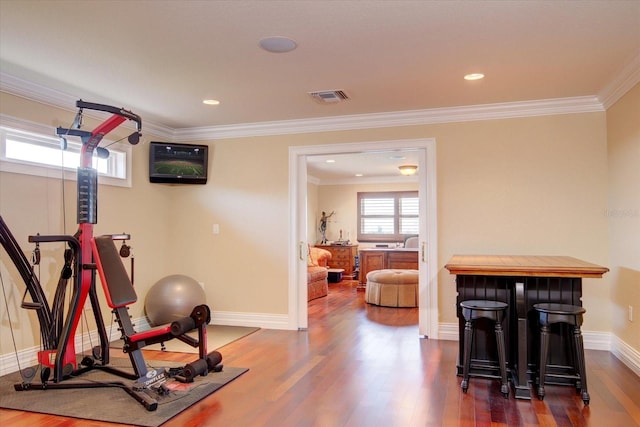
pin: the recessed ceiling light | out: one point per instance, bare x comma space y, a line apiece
359, 174
211, 102
330, 161
474, 76
278, 44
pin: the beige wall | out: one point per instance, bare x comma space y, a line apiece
343, 200
313, 212
244, 267
533, 186
623, 213
519, 186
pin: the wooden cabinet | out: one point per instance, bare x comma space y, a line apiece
382, 258
342, 256
403, 259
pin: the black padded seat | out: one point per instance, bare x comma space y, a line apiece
117, 286
549, 314
484, 309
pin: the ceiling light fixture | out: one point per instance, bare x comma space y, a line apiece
278, 44
211, 102
408, 170
474, 76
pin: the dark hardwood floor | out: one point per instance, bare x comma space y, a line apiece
361, 365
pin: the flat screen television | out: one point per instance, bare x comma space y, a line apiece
178, 163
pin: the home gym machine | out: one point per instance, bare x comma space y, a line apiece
85, 255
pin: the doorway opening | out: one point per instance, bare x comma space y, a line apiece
428, 279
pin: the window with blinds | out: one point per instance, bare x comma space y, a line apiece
388, 216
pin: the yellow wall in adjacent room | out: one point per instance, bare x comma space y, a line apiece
623, 213
313, 218
343, 200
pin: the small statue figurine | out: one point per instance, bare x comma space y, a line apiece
323, 226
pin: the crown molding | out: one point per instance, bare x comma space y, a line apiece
35, 92
625, 80
368, 180
313, 180
47, 96
506, 110
573, 105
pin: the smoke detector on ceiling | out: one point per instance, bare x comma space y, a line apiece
329, 96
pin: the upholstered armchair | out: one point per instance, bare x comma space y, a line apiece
317, 274
411, 242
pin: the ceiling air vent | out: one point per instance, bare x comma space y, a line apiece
329, 96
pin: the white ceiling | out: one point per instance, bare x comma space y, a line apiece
160, 59
374, 166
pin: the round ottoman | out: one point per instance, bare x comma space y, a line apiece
392, 288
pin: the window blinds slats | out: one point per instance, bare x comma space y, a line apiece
387, 217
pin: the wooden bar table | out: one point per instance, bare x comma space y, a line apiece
521, 282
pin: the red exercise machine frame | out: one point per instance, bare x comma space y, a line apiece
85, 256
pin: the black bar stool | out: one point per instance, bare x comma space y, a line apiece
487, 309
548, 314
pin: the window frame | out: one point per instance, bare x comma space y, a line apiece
37, 135
396, 237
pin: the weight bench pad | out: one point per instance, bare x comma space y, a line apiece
115, 280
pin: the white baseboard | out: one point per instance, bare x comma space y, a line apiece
448, 331
256, 320
627, 354
597, 340
592, 340
84, 342
229, 318
29, 356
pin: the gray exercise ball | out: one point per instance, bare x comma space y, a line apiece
172, 298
